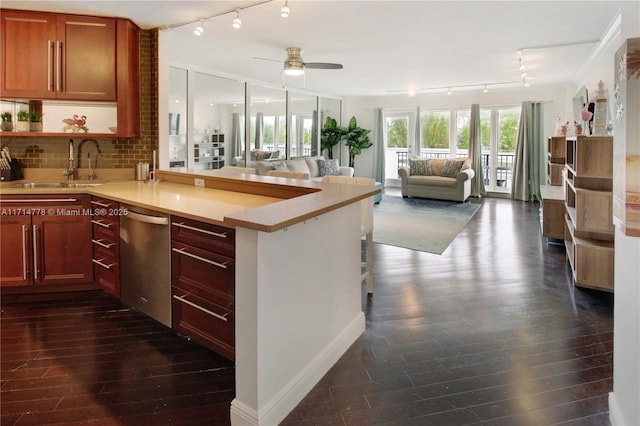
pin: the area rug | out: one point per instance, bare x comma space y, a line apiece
420, 224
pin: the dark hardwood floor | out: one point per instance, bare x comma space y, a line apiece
491, 332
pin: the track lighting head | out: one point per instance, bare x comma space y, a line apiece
199, 29
284, 12
485, 90
237, 22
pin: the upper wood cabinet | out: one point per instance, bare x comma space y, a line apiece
49, 56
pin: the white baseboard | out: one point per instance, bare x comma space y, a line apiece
614, 412
274, 411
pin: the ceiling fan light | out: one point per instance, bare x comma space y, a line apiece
293, 68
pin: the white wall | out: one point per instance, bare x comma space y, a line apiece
624, 400
556, 98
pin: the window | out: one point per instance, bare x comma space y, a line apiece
446, 134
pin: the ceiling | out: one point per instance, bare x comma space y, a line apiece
386, 47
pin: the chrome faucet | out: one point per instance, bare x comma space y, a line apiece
71, 169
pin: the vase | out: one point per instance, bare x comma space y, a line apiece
22, 126
563, 131
6, 126
578, 131
35, 127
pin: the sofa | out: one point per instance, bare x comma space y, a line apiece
441, 179
315, 167
257, 155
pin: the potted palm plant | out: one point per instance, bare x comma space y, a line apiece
23, 121
356, 139
7, 122
331, 135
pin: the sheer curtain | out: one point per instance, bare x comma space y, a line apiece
418, 137
527, 175
377, 137
475, 152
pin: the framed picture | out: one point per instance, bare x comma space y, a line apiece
174, 124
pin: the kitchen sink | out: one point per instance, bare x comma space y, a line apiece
55, 185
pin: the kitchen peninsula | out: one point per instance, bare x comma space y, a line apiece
297, 283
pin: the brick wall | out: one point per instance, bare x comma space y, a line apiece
106, 152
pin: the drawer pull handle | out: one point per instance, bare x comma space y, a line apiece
98, 203
211, 262
204, 231
206, 311
101, 223
99, 262
101, 244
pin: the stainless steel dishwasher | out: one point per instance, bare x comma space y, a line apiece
145, 262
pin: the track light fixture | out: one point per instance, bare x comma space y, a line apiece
237, 22
199, 29
486, 89
523, 69
284, 11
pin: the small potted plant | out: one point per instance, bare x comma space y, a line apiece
23, 121
35, 118
7, 122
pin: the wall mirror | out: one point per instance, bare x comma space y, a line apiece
177, 100
268, 123
218, 117
303, 112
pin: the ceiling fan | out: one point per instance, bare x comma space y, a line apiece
294, 65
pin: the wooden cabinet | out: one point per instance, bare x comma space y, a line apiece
42, 241
203, 283
105, 238
552, 212
589, 231
556, 147
48, 56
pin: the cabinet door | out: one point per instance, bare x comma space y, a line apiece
61, 257
15, 251
28, 51
86, 58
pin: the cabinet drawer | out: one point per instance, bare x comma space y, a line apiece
203, 273
203, 235
207, 323
105, 228
106, 272
105, 247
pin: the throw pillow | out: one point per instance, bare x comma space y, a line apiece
420, 167
298, 165
451, 168
329, 167
281, 166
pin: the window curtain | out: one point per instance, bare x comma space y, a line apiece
527, 165
475, 152
377, 137
259, 131
236, 135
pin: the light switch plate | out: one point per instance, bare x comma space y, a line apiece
198, 182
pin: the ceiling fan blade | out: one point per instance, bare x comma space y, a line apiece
267, 59
323, 65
